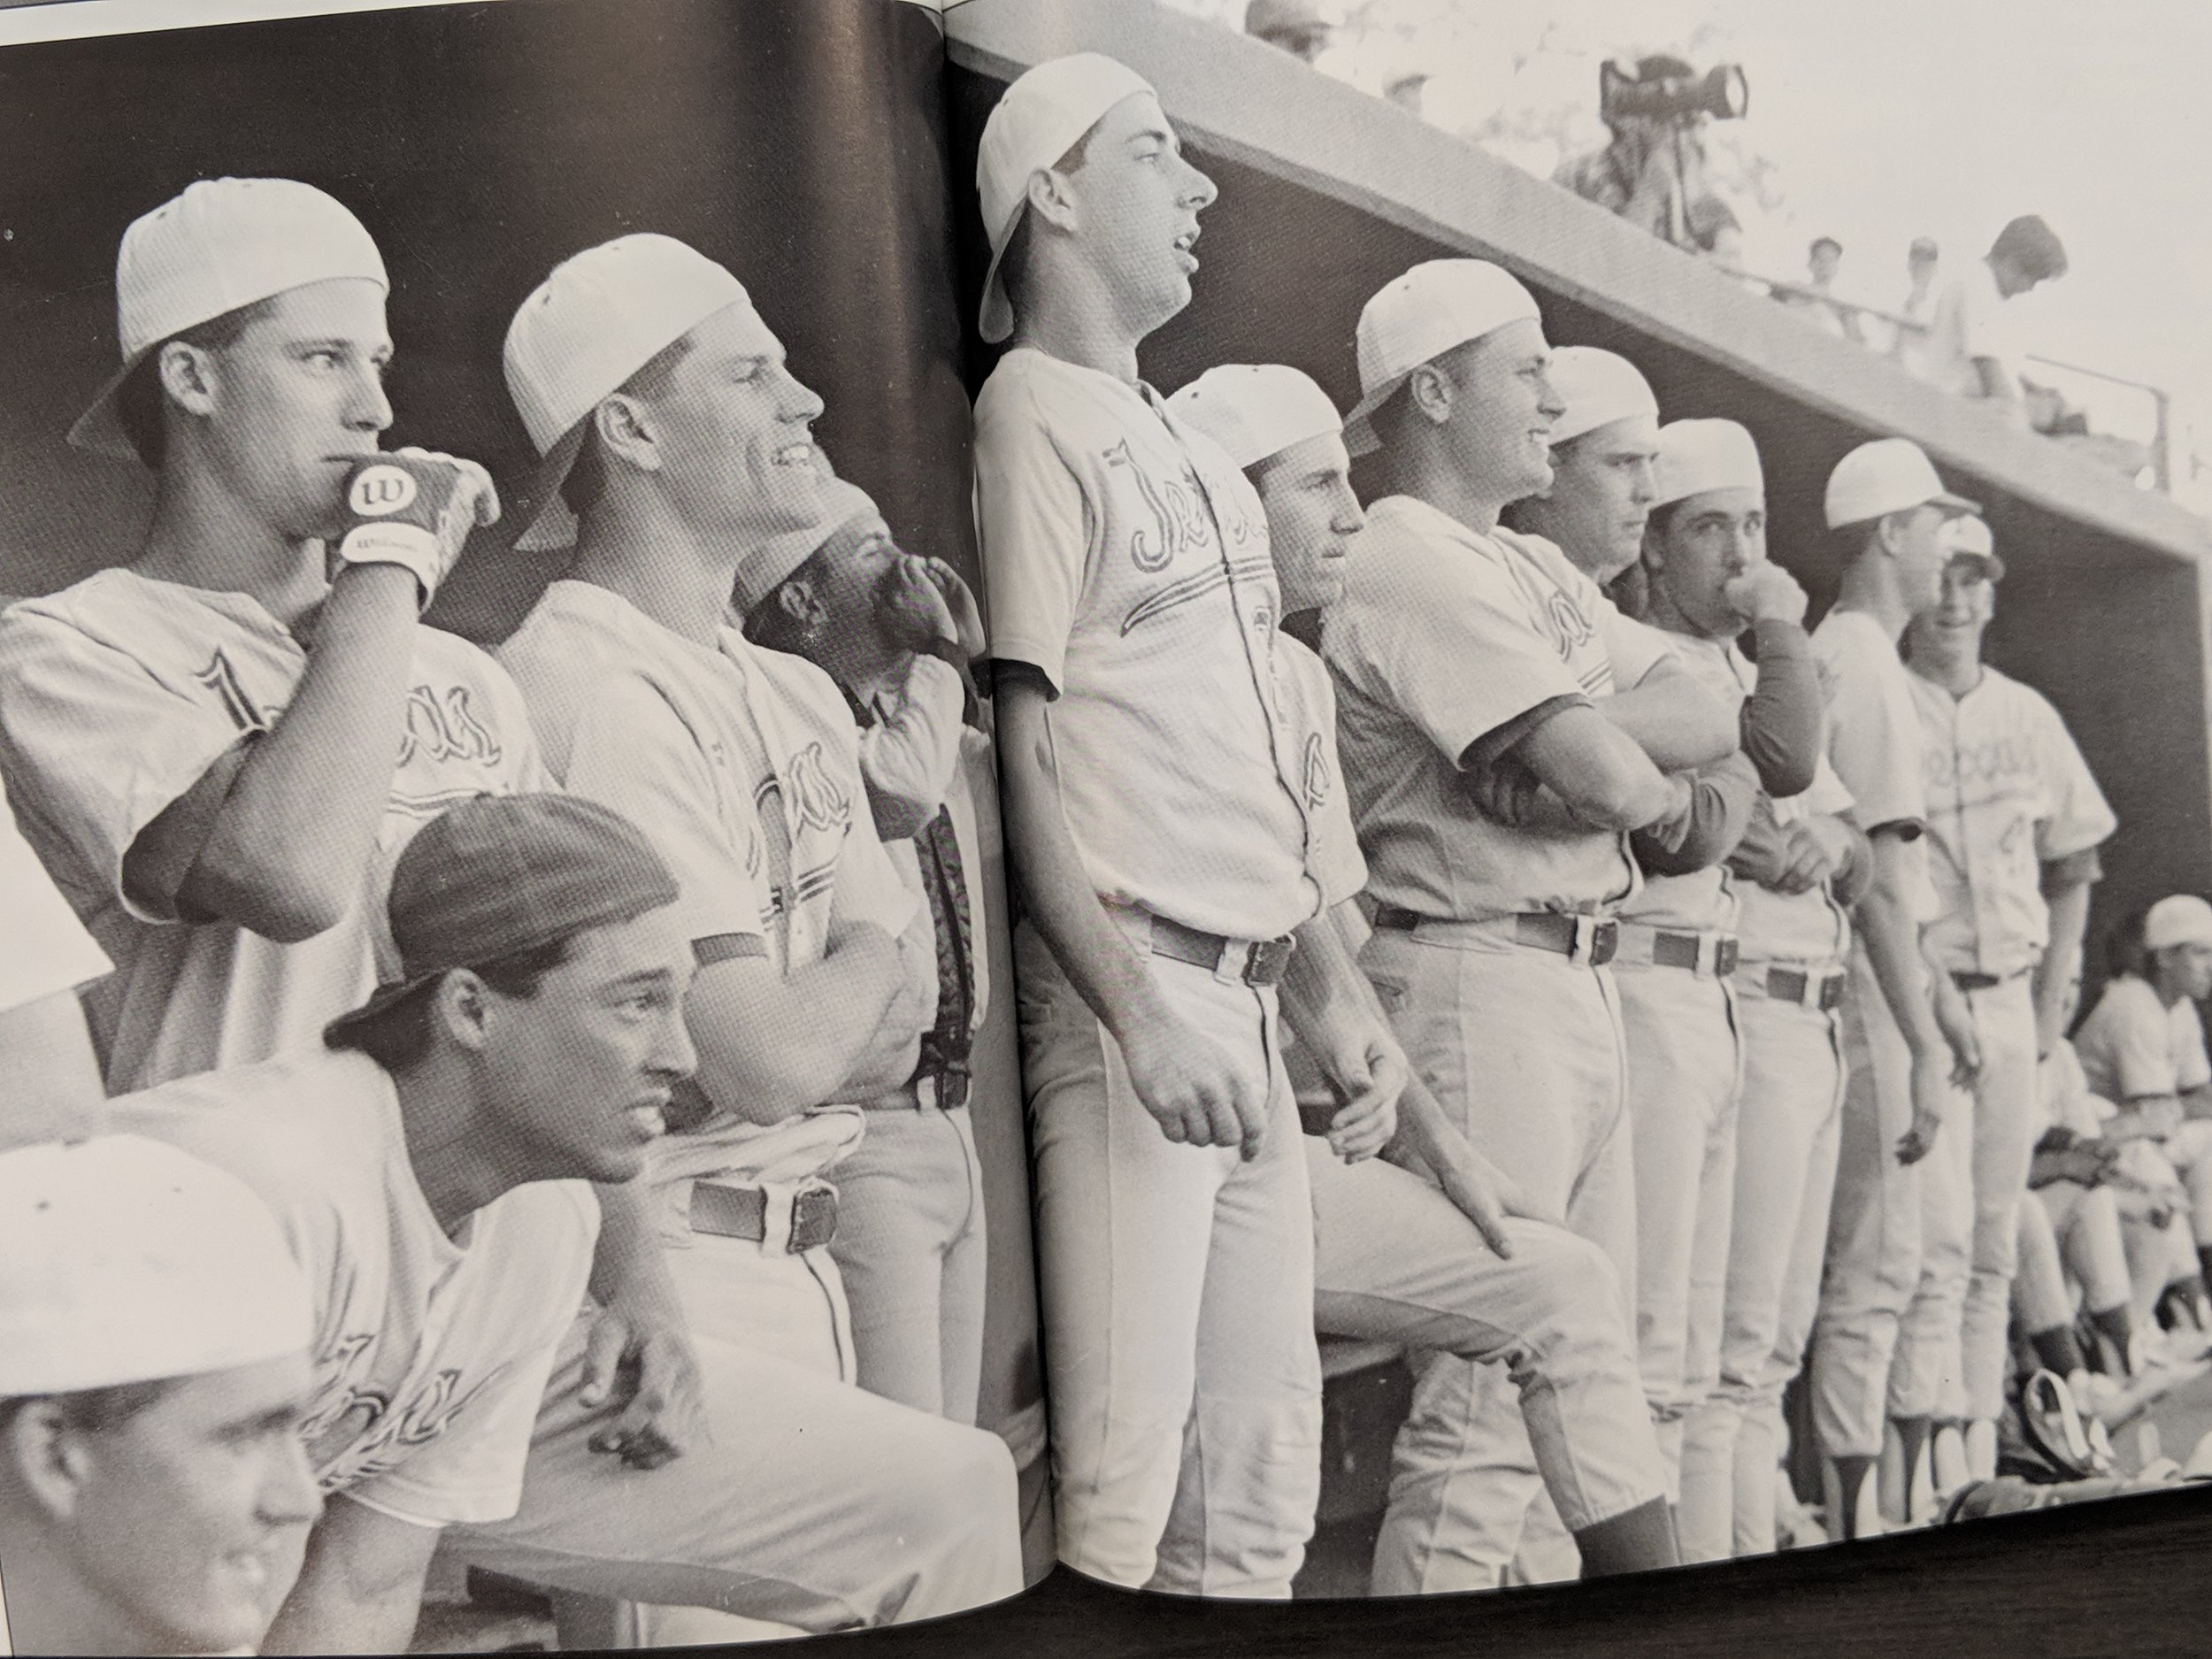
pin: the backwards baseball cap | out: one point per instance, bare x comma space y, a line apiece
1042, 116
223, 244
1698, 456
123, 1260
1888, 475
1256, 409
2180, 918
1967, 537
1598, 387
1438, 304
601, 315
498, 874
848, 512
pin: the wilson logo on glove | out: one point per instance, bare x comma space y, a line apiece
380, 489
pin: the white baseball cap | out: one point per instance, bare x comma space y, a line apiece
124, 1260
1256, 409
601, 315
1697, 455
1042, 117
1887, 475
845, 507
2180, 918
1967, 536
1438, 304
1598, 387
223, 244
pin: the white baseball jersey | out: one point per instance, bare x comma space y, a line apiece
1771, 927
1127, 559
2132, 1046
1309, 710
1875, 740
1972, 320
116, 697
2007, 793
743, 768
430, 1352
1447, 640
49, 951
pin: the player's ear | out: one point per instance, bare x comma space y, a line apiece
1429, 391
1050, 197
628, 432
460, 1010
188, 375
801, 604
46, 1456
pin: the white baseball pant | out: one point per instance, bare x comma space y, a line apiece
1523, 1048
2189, 1149
763, 1297
1684, 1071
816, 1505
1394, 1260
2069, 1234
1178, 1284
1951, 1344
909, 1245
1787, 1134
1873, 1253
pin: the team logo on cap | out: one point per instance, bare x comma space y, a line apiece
378, 491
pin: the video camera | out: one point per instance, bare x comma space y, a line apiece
1654, 90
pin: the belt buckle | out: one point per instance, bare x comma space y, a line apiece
952, 1088
1831, 992
1596, 941
813, 1218
1265, 959
1725, 951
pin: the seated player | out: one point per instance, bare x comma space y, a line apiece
155, 1493
54, 1089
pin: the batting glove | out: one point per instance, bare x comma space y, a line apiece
413, 509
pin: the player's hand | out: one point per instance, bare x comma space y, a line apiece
1193, 1090
1956, 1020
1759, 856
913, 607
1804, 860
967, 616
1485, 1195
867, 939
413, 508
1371, 1078
1505, 790
1765, 593
641, 1370
1931, 1096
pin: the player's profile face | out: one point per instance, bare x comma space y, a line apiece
1710, 540
1602, 485
1503, 409
1313, 519
1921, 555
735, 431
1136, 202
296, 399
578, 1074
190, 1516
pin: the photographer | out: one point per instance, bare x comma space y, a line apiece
1653, 172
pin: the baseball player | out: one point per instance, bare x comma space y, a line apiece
217, 749
1905, 1030
54, 1089
1467, 660
877, 619
1709, 581
2013, 823
155, 1494
430, 1170
1396, 1259
1157, 815
1678, 938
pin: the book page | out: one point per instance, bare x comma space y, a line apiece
1597, 615
513, 1134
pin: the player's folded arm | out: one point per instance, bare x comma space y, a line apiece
1721, 799
1595, 768
1673, 718
1780, 726
360, 1589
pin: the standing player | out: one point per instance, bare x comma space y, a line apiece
218, 749
1467, 661
155, 1494
1396, 1259
1157, 817
845, 596
1905, 1031
1709, 581
2013, 823
54, 1089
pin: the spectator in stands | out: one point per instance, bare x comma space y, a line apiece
1296, 25
1973, 346
1909, 346
1823, 260
1717, 232
1653, 170
155, 1490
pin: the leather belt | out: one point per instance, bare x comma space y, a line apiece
1715, 952
1257, 962
1821, 992
1593, 939
741, 1212
946, 1090
1983, 981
